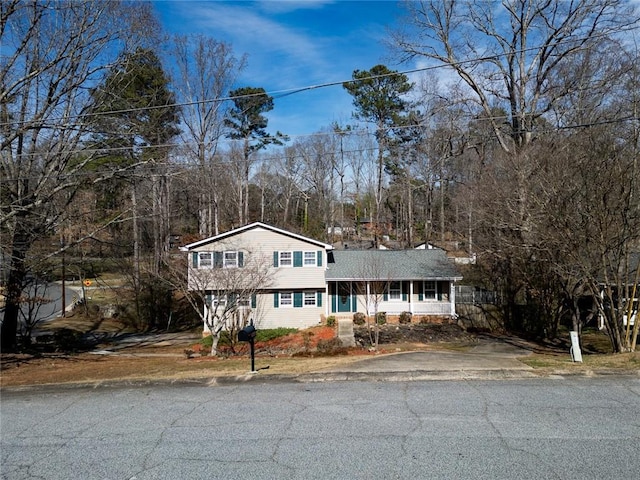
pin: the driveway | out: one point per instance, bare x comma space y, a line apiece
489, 354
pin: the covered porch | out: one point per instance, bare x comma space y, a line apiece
419, 297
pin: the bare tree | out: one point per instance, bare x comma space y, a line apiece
52, 53
371, 288
317, 157
509, 55
288, 181
206, 71
225, 298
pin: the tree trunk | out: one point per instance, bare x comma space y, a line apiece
17, 273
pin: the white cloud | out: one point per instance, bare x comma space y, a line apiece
291, 5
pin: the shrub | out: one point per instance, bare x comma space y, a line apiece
381, 318
271, 333
67, 340
405, 317
331, 321
330, 346
359, 318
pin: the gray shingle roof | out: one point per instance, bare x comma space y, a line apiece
391, 265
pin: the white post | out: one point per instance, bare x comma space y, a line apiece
411, 296
452, 298
576, 354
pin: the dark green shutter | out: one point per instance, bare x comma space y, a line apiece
253, 301
275, 259
385, 296
297, 299
319, 299
439, 290
319, 258
297, 259
217, 259
241, 259
276, 300
421, 291
195, 259
232, 298
208, 298
334, 299
405, 289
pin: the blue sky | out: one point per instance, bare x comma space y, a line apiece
294, 44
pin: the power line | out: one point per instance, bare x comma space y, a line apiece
188, 166
291, 91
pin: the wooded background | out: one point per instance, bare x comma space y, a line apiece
114, 151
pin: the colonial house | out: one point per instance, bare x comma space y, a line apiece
307, 280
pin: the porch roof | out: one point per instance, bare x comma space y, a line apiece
380, 265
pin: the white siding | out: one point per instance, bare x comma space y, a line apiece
268, 316
263, 243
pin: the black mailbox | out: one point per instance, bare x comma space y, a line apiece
247, 334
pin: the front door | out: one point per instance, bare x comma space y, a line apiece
344, 296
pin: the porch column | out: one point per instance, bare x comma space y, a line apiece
452, 297
411, 296
327, 300
367, 301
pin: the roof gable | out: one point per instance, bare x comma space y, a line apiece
254, 226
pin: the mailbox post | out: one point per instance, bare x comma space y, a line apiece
248, 334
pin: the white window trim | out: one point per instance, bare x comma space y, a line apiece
210, 260
398, 290
219, 300
224, 259
433, 291
285, 305
312, 294
314, 259
290, 259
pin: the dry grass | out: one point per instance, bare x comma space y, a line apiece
621, 361
89, 368
166, 360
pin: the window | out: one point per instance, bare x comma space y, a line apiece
219, 300
429, 290
286, 259
309, 259
286, 299
309, 299
230, 259
395, 291
205, 259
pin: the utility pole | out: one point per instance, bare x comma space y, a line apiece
64, 300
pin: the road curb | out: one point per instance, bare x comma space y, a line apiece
322, 377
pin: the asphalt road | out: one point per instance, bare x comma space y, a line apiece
51, 306
565, 428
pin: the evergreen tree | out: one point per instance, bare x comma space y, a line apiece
246, 122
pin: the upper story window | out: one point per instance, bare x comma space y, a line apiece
205, 259
297, 258
286, 259
310, 259
230, 259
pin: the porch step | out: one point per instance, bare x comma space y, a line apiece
345, 332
